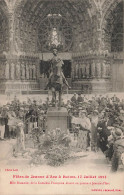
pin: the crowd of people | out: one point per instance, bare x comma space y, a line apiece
100, 122
97, 122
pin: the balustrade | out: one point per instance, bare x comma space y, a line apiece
90, 70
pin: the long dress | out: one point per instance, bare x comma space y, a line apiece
83, 137
94, 142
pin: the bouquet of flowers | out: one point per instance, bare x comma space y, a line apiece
55, 147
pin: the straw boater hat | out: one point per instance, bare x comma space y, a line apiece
96, 111
122, 111
20, 124
118, 132
83, 111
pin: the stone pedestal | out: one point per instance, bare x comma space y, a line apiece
57, 119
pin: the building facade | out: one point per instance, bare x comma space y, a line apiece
88, 33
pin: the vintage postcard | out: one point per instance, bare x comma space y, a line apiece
61, 97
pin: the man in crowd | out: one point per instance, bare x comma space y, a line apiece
2, 127
74, 99
79, 98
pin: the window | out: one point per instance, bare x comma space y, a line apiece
55, 30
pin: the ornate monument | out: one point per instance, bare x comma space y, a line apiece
57, 115
56, 79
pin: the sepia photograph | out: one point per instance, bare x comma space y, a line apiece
61, 97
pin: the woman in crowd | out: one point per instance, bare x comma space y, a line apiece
94, 123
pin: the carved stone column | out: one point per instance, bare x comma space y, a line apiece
23, 71
99, 70
83, 69
108, 69
76, 70
18, 68
87, 70
7, 70
2, 70
27, 71
33, 71
93, 69
12, 71
11, 32
104, 69
30, 71
80, 71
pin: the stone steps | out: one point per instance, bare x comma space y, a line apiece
46, 92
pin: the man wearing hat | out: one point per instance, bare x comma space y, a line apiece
79, 98
121, 117
118, 149
4, 114
74, 99
2, 127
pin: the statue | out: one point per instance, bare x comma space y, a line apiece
83, 70
76, 71
23, 70
7, 70
104, 69
87, 70
34, 71
12, 71
93, 69
98, 70
2, 71
18, 70
30, 71
56, 78
27, 72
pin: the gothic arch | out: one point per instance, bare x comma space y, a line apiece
29, 13
112, 25
108, 6
4, 27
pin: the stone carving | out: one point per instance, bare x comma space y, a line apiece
76, 71
18, 70
12, 71
93, 69
27, 72
23, 71
104, 69
108, 69
2, 71
16, 46
30, 72
87, 70
34, 71
79, 72
98, 68
83, 70
7, 70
